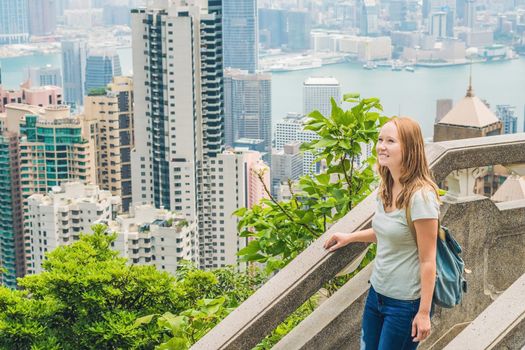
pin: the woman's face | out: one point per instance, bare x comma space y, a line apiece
388, 147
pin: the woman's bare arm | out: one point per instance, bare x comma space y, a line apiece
426, 233
340, 239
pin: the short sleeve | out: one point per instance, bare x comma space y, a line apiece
425, 205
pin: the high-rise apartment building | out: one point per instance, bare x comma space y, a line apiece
43, 76
317, 94
14, 28
290, 129
247, 108
240, 39
146, 235
52, 147
233, 183
507, 115
58, 217
111, 114
59, 143
179, 111
101, 67
287, 164
42, 17
74, 71
159, 237
11, 238
178, 102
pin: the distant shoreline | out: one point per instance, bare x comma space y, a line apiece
4, 53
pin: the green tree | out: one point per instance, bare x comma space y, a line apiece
86, 298
281, 230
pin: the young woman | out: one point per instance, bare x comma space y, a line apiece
398, 307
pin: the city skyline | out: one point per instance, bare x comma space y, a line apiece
191, 131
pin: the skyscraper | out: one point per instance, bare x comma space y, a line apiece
507, 115
179, 161
272, 27
178, 102
438, 24
52, 147
369, 18
111, 112
240, 39
248, 108
299, 27
74, 71
470, 14
317, 93
13, 21
101, 67
11, 233
42, 17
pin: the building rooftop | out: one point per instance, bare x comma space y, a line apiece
321, 81
470, 111
511, 190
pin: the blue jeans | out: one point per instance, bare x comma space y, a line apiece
387, 323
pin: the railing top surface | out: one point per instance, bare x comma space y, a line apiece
301, 278
495, 322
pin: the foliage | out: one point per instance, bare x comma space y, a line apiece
89, 298
97, 92
204, 298
281, 230
190, 325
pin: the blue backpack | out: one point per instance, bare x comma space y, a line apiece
450, 282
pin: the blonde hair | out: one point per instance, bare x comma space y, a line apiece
415, 173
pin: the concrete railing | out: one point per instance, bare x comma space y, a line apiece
335, 324
499, 326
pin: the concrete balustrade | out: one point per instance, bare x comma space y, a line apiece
492, 237
500, 326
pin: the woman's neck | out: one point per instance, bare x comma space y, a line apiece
396, 174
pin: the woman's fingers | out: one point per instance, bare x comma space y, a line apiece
335, 247
330, 242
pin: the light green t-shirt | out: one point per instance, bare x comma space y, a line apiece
396, 266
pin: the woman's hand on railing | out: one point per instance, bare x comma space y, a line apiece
336, 241
340, 239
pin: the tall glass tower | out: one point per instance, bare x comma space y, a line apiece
10, 210
240, 34
74, 71
14, 27
101, 67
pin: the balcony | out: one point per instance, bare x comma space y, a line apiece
492, 235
